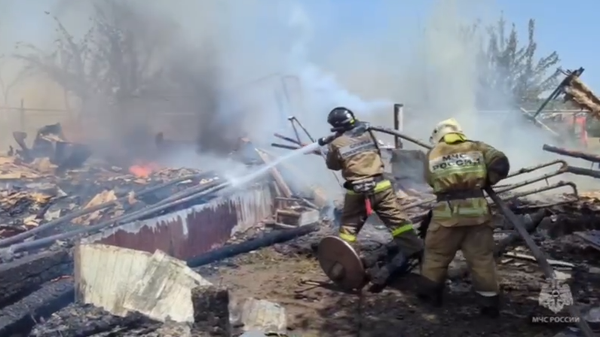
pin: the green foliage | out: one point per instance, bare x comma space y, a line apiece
509, 69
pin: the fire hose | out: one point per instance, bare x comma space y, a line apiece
519, 227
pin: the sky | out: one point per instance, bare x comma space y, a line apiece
568, 28
340, 21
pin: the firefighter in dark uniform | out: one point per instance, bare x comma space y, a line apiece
355, 152
458, 169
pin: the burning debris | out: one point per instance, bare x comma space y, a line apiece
100, 203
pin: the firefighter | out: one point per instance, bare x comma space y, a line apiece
355, 152
457, 169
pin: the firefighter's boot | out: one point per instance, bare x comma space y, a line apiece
381, 276
490, 306
431, 292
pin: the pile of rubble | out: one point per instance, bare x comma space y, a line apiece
65, 290
148, 251
54, 178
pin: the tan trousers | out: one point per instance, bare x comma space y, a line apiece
477, 245
385, 204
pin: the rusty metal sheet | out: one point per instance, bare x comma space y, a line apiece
197, 229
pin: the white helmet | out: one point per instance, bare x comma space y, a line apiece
443, 128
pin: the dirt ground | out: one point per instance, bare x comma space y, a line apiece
320, 310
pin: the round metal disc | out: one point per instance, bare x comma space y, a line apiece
341, 263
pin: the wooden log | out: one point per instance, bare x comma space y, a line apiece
20, 317
211, 311
20, 277
285, 189
531, 224
265, 240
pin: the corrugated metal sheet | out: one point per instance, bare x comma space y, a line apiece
195, 230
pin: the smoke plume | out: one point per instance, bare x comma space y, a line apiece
245, 66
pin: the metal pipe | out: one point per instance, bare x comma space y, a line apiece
291, 140
400, 135
283, 146
561, 170
294, 119
51, 224
304, 129
530, 169
583, 172
571, 153
291, 147
545, 188
514, 196
296, 131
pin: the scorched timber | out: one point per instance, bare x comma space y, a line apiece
20, 317
266, 240
78, 320
84, 211
20, 277
191, 194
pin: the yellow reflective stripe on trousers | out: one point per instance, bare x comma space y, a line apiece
380, 187
348, 237
401, 230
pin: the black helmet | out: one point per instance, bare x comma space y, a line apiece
341, 119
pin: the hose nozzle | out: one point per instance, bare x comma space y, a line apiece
326, 140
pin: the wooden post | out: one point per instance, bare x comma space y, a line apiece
398, 112
22, 115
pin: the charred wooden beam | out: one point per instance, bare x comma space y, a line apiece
265, 240
531, 224
283, 186
87, 320
20, 317
20, 277
572, 153
81, 212
192, 193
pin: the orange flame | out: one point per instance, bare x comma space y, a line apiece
143, 170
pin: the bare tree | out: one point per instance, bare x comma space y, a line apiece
6, 87
111, 60
132, 61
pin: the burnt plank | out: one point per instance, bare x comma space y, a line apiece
79, 319
20, 317
20, 277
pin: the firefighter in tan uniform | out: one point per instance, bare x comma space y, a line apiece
458, 169
356, 154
